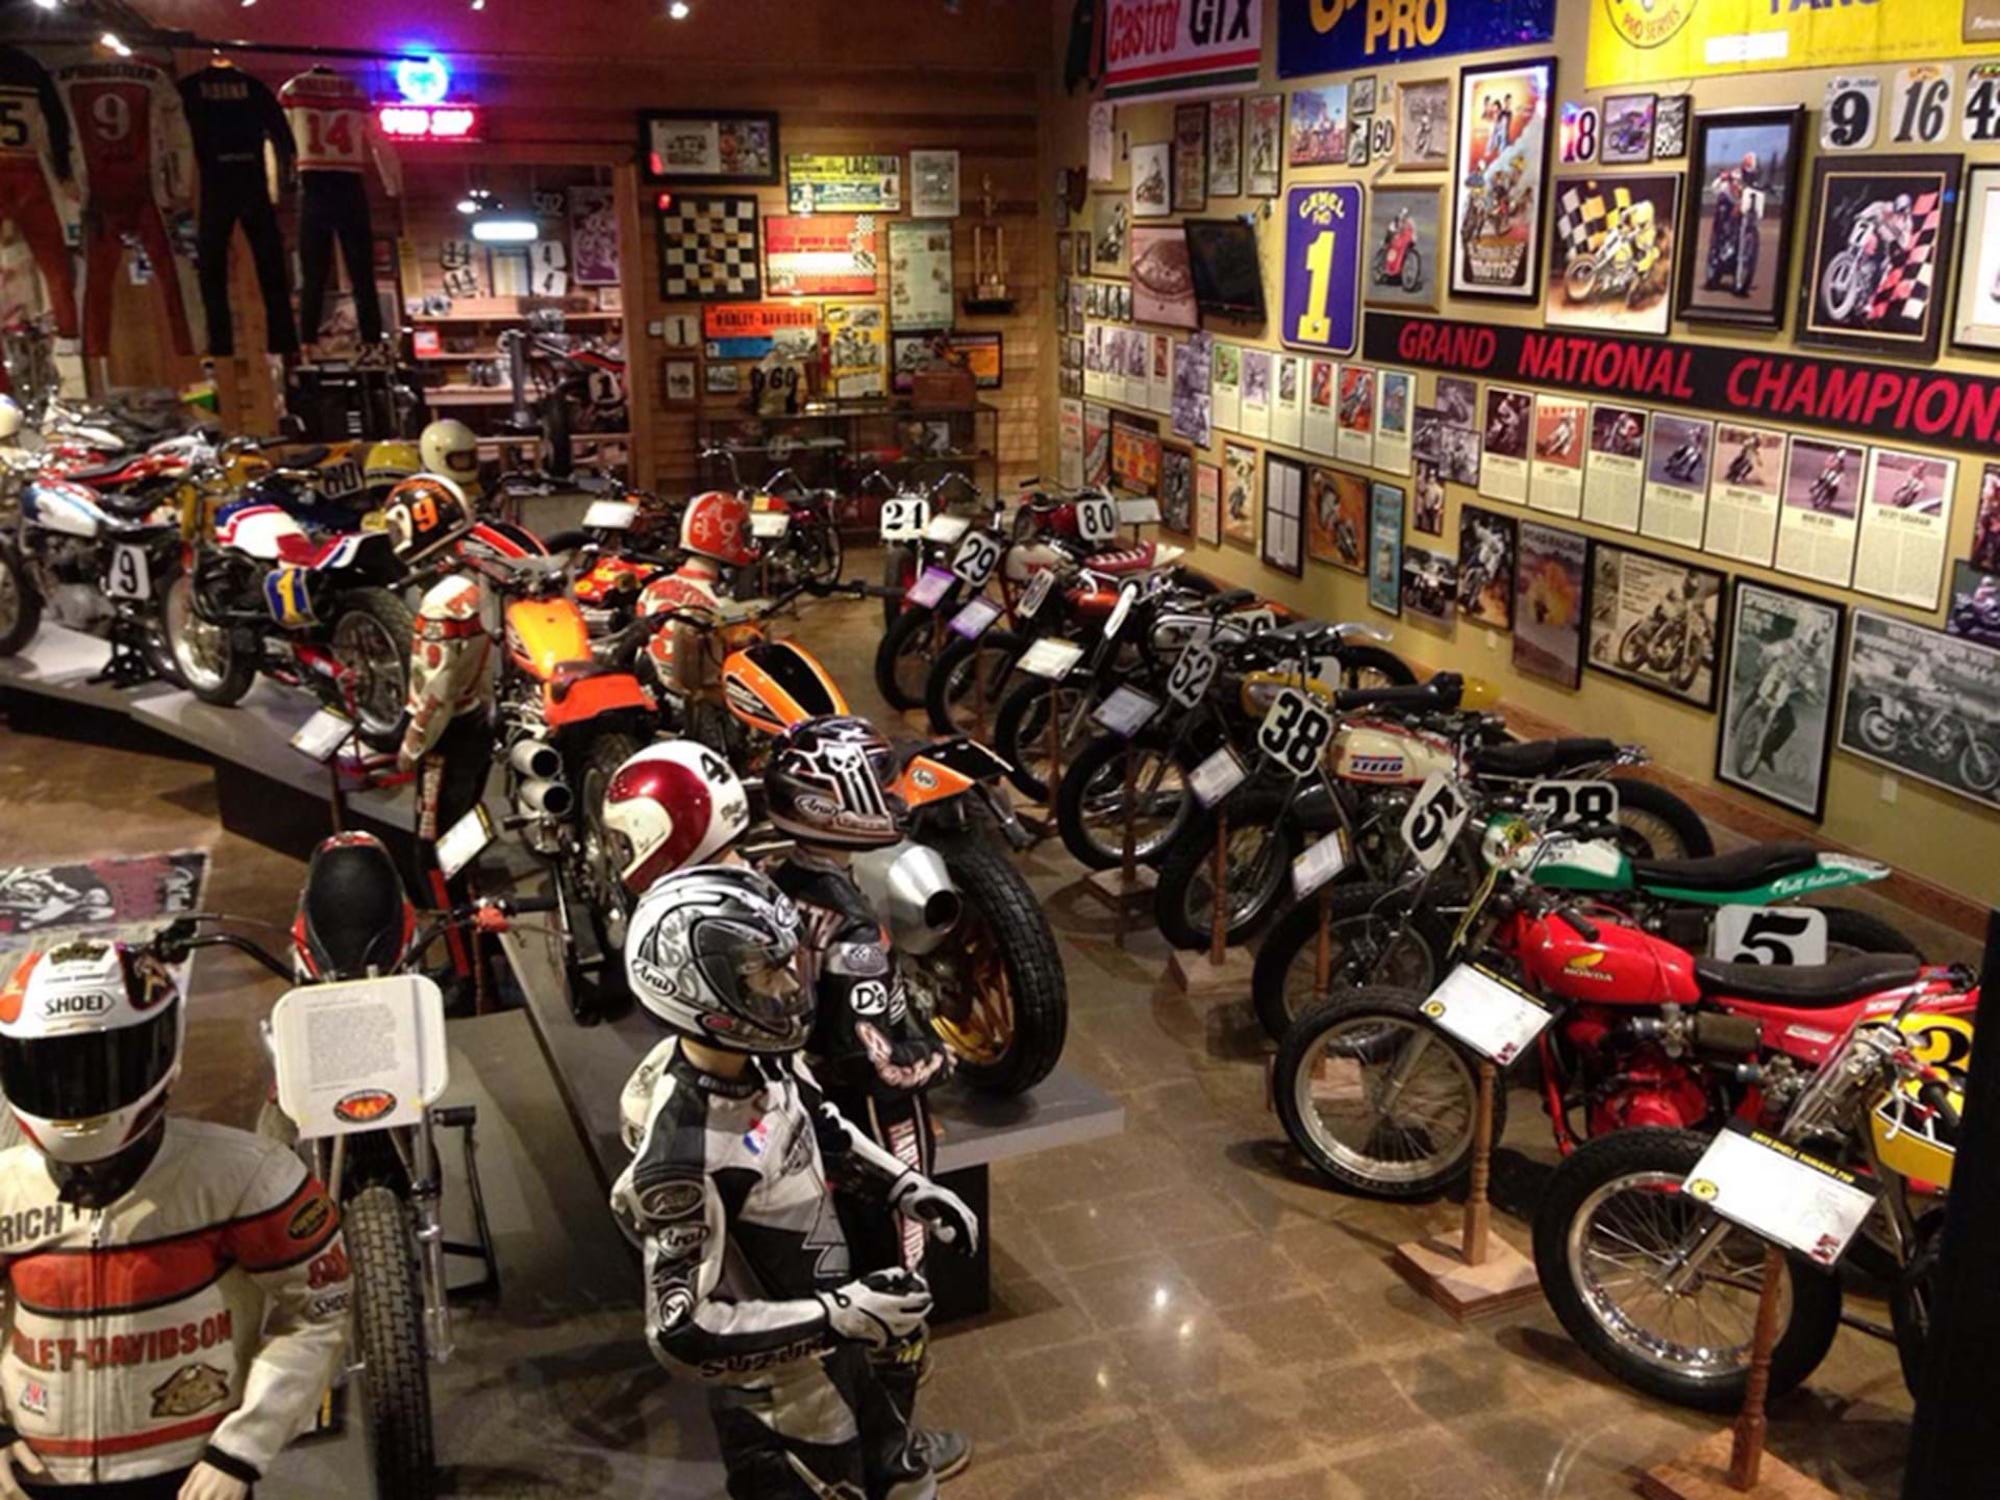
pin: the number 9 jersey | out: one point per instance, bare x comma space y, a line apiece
34, 130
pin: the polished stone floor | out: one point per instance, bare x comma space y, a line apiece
1182, 1311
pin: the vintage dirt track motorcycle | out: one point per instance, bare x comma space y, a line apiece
1673, 642
1848, 286
1397, 260
1938, 731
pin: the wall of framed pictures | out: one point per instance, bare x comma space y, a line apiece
1681, 383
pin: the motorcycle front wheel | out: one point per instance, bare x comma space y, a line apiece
1841, 287
1021, 731
1633, 646
20, 603
1580, 280
903, 660
1979, 765
1749, 747
371, 639
1614, 1223
1090, 804
1413, 271
1878, 730
205, 655
1372, 939
389, 1337
827, 555
951, 700
1257, 873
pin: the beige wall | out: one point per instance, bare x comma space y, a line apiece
1925, 831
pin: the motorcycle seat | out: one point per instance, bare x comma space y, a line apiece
1809, 987
99, 474
352, 909
305, 458
127, 505
1541, 757
1756, 865
1442, 692
1230, 599
1125, 561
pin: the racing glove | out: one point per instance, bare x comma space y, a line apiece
938, 1209
880, 1309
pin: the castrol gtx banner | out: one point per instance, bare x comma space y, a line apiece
1333, 36
1159, 49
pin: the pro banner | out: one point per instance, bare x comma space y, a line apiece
1335, 36
1163, 49
1657, 41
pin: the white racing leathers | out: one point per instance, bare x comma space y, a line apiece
728, 1194
198, 1317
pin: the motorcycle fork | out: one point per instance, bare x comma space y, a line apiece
417, 1149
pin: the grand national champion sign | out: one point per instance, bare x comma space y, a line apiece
1654, 41
1915, 405
1334, 36
1163, 48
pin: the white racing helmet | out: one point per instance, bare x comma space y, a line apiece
674, 804
449, 448
10, 419
91, 1034
710, 951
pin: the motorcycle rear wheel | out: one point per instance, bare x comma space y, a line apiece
1653, 823
20, 602
389, 1336
1878, 730
371, 638
903, 660
1979, 765
1021, 732
1366, 947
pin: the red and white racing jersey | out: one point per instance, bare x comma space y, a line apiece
130, 130
333, 126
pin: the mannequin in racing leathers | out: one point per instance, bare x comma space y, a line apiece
715, 534
749, 1286
827, 786
173, 1294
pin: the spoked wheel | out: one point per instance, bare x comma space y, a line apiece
20, 605
605, 852
1090, 805
903, 660
1021, 732
1257, 865
1379, 1099
371, 639
1660, 1291
205, 656
1368, 944
962, 673
1653, 823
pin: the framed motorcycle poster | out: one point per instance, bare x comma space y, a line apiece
1878, 250
1656, 622
1975, 323
1403, 256
1744, 168
1551, 583
1502, 179
1177, 489
1337, 519
1777, 704
1611, 252
709, 146
1921, 703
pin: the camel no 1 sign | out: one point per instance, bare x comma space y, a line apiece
1323, 230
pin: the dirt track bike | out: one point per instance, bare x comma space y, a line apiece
1663, 1292
1769, 720
1825, 493
1612, 271
1684, 463
1848, 286
1943, 734
1674, 644
562, 385
908, 546
1397, 260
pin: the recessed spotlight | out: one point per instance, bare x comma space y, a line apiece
678, 10
479, 4
49, 4
112, 40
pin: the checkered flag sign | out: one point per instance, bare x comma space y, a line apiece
1904, 295
1583, 216
709, 250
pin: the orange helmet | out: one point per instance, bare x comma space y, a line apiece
425, 513
717, 525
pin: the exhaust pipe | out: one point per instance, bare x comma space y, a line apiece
912, 893
547, 799
535, 759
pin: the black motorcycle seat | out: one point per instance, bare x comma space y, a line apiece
1442, 692
1728, 872
353, 910
1541, 757
1808, 987
97, 474
1230, 599
128, 505
304, 458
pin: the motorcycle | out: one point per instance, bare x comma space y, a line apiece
796, 532
1891, 727
1397, 260
1848, 286
562, 385
1825, 493
1684, 463
1768, 721
1674, 644
1611, 271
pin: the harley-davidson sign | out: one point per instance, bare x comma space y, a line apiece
1932, 406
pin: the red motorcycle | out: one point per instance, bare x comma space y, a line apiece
1398, 261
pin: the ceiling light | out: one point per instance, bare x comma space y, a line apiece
467, 206
48, 4
112, 40
479, 4
678, 10
505, 229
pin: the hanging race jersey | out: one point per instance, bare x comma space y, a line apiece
329, 119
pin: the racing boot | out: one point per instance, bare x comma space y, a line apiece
946, 1452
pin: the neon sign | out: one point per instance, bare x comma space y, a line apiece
423, 80
417, 122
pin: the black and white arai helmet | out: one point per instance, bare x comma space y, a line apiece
828, 783
710, 951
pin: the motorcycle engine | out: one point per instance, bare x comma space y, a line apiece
80, 606
66, 573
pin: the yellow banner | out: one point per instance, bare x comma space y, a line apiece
1658, 41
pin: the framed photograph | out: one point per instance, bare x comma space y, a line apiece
1162, 289
1656, 622
1777, 704
1239, 494
1986, 525
1973, 609
1153, 180
1263, 144
1745, 169
1177, 489
691, 148
1423, 125
1316, 132
1361, 96
1080, 253
1135, 453
1208, 504
934, 184
709, 250
1551, 588
1428, 515
1225, 148
677, 381
1190, 158
1110, 232
1502, 182
1625, 130
1337, 519
1283, 544
1486, 545
724, 380
1670, 127
1975, 320
1859, 294
1916, 700
1357, 145
1385, 547
1430, 584
1611, 252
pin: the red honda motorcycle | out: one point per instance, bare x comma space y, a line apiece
1398, 261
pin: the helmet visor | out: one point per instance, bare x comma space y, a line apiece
89, 1073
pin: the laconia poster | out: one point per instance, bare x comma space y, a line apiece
1657, 41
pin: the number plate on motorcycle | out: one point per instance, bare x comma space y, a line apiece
767, 524
944, 530
930, 588
322, 735
1194, 670
1139, 510
1570, 804
1216, 777
1097, 518
460, 844
972, 621
904, 518
977, 556
1435, 819
364, 1054
1769, 935
1319, 864
610, 515
1776, 1191
130, 575
1493, 1016
1126, 712
1037, 595
1295, 731
1121, 611
1051, 658
339, 480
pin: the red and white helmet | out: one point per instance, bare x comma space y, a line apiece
674, 804
717, 525
91, 1034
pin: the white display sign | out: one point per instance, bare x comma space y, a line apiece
1216, 777
904, 518
610, 515
767, 525
944, 530
930, 588
977, 556
1051, 657
1097, 518
1126, 712
1435, 819
1495, 1018
322, 735
1142, 510
1294, 731
972, 621
1779, 1193
1571, 804
1780, 935
460, 844
1194, 670
363, 1054
1318, 864
1850, 113
130, 575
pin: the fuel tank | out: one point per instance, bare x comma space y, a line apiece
543, 634
1624, 966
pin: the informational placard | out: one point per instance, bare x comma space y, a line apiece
857, 349
973, 621
1288, 406
1780, 1194
322, 734
1254, 420
1295, 731
1503, 462
1778, 935
1355, 420
1614, 476
920, 274
930, 587
819, 184
904, 518
1555, 478
1318, 864
1069, 442
769, 525
1227, 392
1905, 525
1160, 383
946, 530
1126, 711
1051, 657
1677, 464
821, 255
1434, 820
364, 1054
1395, 417
1822, 503
610, 515
1139, 510
1324, 226
1489, 1013
1216, 777
463, 842
1745, 493
751, 330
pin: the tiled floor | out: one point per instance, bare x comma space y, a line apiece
1182, 1311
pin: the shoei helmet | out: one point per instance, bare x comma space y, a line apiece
449, 448
717, 525
10, 418
389, 464
90, 1041
673, 805
709, 951
828, 783
424, 514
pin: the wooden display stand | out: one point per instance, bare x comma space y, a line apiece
1733, 1462
1222, 972
1131, 882
1482, 1273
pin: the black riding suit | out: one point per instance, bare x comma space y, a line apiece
728, 1194
231, 115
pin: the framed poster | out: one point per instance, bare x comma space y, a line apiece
1263, 144
1177, 489
1395, 401
1190, 158
821, 255
1611, 252
1905, 525
1744, 493
1670, 127
1428, 515
844, 184
1858, 293
1973, 609
1162, 281
1551, 588
1153, 180
1821, 510
1430, 584
1917, 701
1316, 131
1745, 169
1656, 622
1405, 253
709, 250
1283, 545
1486, 543
1208, 504
1110, 229
1385, 547
1069, 442
1975, 322
593, 236
1135, 453
1777, 705
1626, 132
934, 184
1322, 303
1423, 125
677, 381
708, 146
1986, 525
857, 350
1193, 399
1239, 494
1096, 443
1337, 521
920, 277
1225, 148
1502, 179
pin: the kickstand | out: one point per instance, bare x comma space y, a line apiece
463, 1117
